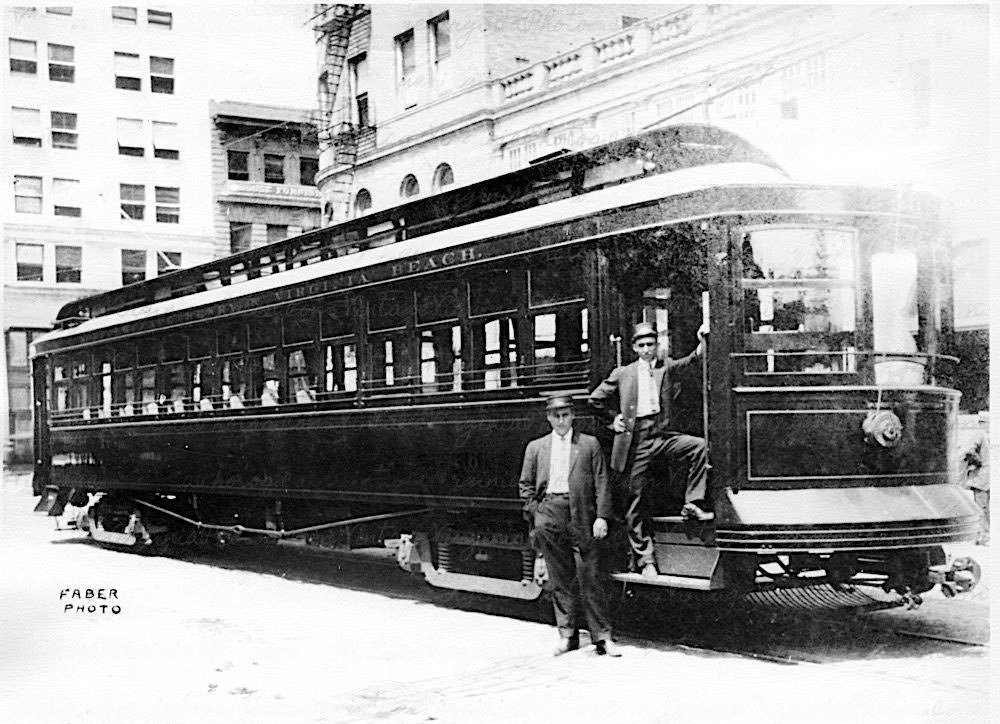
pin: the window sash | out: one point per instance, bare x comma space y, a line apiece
406, 54
167, 194
28, 194
130, 133
59, 9
26, 122
61, 53
274, 168
308, 168
127, 64
160, 18
132, 192
63, 121
133, 265
161, 66
30, 259
165, 136
238, 165
66, 192
69, 263
125, 14
441, 35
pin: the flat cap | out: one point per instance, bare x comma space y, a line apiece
643, 329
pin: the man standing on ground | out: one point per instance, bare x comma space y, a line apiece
564, 487
635, 399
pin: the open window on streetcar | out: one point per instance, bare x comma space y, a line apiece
391, 349
438, 309
494, 306
559, 320
338, 345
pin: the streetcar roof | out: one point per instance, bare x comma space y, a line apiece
628, 194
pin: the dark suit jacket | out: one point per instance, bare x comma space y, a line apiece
589, 493
619, 393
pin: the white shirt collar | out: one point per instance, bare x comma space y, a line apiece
560, 438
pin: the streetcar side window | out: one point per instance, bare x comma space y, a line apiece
495, 302
174, 373
60, 383
123, 387
339, 348
391, 358
103, 377
799, 300
439, 310
302, 358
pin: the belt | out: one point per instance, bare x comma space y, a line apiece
557, 495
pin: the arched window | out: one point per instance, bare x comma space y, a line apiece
409, 187
362, 202
443, 176
328, 212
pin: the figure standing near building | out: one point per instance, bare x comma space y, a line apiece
564, 487
977, 461
635, 400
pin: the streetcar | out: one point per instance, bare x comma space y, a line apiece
374, 383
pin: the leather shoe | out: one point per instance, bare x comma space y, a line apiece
607, 647
649, 571
566, 645
693, 512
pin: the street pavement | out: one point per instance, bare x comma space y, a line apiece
199, 642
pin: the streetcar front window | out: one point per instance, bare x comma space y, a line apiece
799, 300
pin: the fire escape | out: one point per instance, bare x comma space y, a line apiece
337, 130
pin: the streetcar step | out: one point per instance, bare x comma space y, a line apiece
667, 581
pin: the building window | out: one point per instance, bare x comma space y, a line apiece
61, 66
160, 19
440, 36
443, 176
274, 168
133, 265
26, 126
63, 129
127, 71
790, 108
406, 60
133, 198
23, 56
362, 202
66, 197
130, 139
238, 165
28, 194
920, 85
359, 80
276, 232
167, 261
168, 205
166, 143
124, 15
240, 233
69, 263
307, 170
409, 187
161, 72
59, 9
29, 259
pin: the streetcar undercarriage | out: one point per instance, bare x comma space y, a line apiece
489, 552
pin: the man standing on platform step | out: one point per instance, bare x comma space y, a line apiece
564, 487
635, 400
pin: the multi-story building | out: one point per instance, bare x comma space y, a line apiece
886, 94
108, 141
104, 163
264, 163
